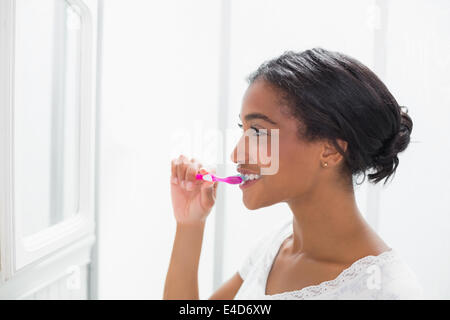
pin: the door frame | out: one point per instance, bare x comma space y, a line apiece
54, 250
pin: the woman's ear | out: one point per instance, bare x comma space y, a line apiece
330, 153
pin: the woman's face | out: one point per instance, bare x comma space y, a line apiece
298, 161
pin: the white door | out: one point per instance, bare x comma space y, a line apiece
47, 147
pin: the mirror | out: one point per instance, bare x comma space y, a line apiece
46, 126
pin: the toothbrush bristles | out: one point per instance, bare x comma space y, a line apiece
243, 179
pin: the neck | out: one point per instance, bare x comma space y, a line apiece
328, 226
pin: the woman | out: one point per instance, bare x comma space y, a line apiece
336, 120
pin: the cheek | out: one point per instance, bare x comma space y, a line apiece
295, 176
268, 152
297, 167
264, 152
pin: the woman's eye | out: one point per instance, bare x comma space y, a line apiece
258, 133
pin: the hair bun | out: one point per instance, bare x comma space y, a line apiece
386, 161
406, 126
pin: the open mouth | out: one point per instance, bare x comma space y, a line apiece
250, 180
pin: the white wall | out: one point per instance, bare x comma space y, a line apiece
162, 63
415, 211
160, 74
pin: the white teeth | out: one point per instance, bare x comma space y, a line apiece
251, 176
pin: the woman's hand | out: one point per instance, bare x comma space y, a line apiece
192, 199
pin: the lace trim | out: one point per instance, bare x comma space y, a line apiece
346, 275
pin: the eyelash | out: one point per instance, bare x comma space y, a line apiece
256, 129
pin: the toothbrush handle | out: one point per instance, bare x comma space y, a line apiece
231, 180
213, 177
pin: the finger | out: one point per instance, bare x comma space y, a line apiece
207, 194
191, 171
181, 170
216, 185
173, 177
197, 166
207, 169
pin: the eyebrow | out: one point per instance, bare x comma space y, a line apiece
257, 115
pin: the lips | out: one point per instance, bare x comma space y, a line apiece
246, 171
248, 184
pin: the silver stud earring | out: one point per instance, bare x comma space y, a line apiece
325, 165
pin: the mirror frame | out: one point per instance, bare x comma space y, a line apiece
18, 251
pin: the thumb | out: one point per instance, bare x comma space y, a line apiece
208, 194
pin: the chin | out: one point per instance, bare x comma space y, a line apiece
251, 206
254, 204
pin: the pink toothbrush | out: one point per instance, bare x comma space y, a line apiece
231, 180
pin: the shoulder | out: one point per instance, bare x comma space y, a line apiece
399, 281
382, 277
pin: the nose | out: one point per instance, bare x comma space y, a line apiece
238, 157
233, 155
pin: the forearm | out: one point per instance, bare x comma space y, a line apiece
182, 276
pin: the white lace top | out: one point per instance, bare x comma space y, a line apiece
385, 276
